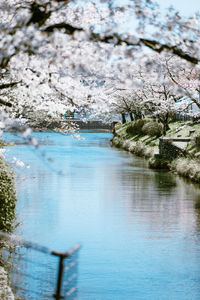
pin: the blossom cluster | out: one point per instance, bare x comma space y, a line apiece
91, 57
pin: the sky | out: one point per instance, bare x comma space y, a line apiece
186, 7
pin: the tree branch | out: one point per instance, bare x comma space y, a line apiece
68, 28
117, 39
158, 47
8, 85
38, 14
5, 103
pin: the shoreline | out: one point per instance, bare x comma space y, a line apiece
187, 166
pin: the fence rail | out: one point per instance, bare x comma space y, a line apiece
37, 272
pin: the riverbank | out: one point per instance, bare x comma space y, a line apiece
7, 221
142, 138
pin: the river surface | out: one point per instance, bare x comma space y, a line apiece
139, 229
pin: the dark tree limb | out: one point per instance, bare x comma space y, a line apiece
158, 47
117, 39
8, 85
152, 44
68, 28
5, 103
38, 14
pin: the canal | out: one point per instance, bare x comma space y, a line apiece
139, 229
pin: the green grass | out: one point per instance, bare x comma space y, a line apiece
184, 129
177, 129
148, 143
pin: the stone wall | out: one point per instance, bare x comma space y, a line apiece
168, 150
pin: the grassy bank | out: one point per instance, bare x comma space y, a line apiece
142, 138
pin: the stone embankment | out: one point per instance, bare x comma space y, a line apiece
179, 154
171, 148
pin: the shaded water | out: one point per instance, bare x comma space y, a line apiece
140, 229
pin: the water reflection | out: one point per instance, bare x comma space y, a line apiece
158, 199
139, 228
164, 180
197, 211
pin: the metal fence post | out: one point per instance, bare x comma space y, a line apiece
58, 295
59, 283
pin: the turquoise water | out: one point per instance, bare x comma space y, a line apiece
139, 229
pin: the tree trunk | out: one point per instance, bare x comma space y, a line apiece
123, 118
131, 116
165, 122
138, 114
165, 128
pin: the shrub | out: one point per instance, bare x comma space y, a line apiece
117, 141
135, 127
152, 129
7, 198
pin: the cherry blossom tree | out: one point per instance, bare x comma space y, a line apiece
49, 48
186, 79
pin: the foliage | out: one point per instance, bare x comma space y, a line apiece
135, 127
144, 127
7, 198
152, 129
58, 56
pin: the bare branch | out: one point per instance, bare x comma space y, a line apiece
8, 85
5, 103
117, 39
68, 28
158, 47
